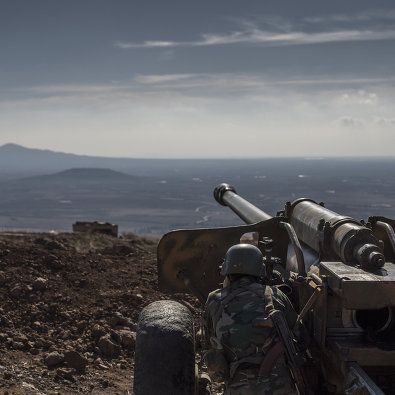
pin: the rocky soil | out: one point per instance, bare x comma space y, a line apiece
69, 305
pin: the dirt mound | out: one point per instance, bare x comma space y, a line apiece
69, 305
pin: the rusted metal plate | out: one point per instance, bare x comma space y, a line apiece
361, 289
188, 260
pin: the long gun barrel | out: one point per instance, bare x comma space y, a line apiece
226, 195
331, 234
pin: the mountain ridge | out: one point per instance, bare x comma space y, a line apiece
17, 161
22, 161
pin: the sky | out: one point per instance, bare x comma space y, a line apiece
199, 79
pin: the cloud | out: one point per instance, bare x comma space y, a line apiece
261, 37
275, 30
369, 15
252, 83
256, 87
359, 97
386, 122
147, 44
350, 122
161, 78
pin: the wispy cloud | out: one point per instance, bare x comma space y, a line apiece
147, 44
257, 81
351, 122
386, 122
359, 97
194, 90
365, 16
163, 78
261, 37
341, 92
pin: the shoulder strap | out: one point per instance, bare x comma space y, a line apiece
268, 295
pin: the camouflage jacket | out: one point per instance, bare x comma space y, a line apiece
229, 314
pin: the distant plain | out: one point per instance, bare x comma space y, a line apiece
44, 190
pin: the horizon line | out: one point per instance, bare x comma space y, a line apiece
305, 157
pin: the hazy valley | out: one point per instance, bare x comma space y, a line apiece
44, 190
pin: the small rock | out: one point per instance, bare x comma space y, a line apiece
39, 284
75, 360
38, 343
4, 321
98, 332
108, 347
126, 338
81, 325
53, 262
29, 345
20, 337
3, 278
37, 324
64, 334
66, 373
119, 320
18, 346
54, 245
3, 337
47, 344
54, 358
40, 240
34, 351
29, 387
16, 291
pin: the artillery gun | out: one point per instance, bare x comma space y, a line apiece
341, 278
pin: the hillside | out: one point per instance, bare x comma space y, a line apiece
15, 158
68, 311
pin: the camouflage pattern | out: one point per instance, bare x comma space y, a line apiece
228, 316
278, 383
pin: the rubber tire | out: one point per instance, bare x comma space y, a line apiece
165, 350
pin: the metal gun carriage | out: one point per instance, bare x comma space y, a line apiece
341, 278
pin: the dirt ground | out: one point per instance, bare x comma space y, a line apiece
69, 304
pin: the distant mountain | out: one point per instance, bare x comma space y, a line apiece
17, 161
97, 180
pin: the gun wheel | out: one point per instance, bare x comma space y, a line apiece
165, 350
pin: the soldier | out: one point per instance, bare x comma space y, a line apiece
238, 348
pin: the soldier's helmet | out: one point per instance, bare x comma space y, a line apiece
243, 259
